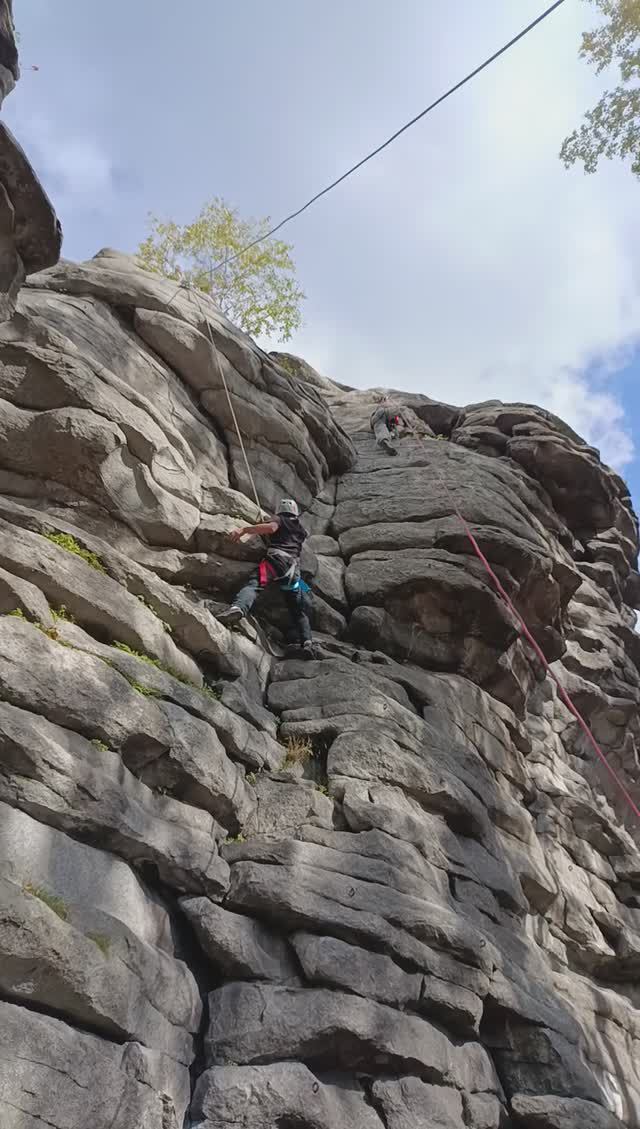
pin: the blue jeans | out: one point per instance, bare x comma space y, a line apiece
296, 601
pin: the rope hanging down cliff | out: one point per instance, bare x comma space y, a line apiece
186, 285
537, 649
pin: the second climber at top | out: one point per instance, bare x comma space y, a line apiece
388, 421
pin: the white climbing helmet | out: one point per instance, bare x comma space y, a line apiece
288, 506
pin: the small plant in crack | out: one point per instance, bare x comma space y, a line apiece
143, 600
52, 633
17, 613
151, 661
69, 543
62, 613
127, 650
55, 903
299, 751
99, 745
236, 839
102, 941
146, 691
251, 778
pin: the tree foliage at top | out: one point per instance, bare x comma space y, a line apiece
257, 291
612, 127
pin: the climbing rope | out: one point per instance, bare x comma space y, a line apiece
234, 417
536, 648
185, 285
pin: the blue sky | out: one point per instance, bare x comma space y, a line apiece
465, 262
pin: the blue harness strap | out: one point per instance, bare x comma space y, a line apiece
297, 585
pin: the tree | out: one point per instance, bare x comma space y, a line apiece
612, 127
258, 291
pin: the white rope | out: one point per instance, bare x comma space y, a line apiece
187, 286
234, 417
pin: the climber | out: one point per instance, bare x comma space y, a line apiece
282, 566
389, 421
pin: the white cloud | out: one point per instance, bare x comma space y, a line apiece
511, 277
75, 167
464, 262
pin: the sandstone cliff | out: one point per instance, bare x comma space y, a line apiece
434, 918
30, 235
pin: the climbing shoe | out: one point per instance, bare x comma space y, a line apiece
232, 615
309, 651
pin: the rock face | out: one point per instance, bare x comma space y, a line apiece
30, 234
390, 888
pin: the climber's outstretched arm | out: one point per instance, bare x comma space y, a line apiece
265, 529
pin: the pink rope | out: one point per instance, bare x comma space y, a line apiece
530, 639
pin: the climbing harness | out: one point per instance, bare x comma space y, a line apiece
280, 566
536, 648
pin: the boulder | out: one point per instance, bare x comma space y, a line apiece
53, 1074
81, 787
33, 854
239, 947
48, 962
261, 1023
257, 1096
410, 1103
548, 1112
328, 961
162, 743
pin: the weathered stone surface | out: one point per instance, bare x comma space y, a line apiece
362, 891
239, 947
45, 961
162, 743
534, 1112
321, 683
38, 236
9, 72
91, 596
308, 899
374, 976
54, 1075
194, 629
83, 937
32, 853
21, 596
446, 883
100, 896
260, 1023
239, 722
285, 805
413, 1104
260, 1096
81, 787
30, 234
539, 1061
196, 768
190, 352
375, 755
180, 335
483, 1111
326, 960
